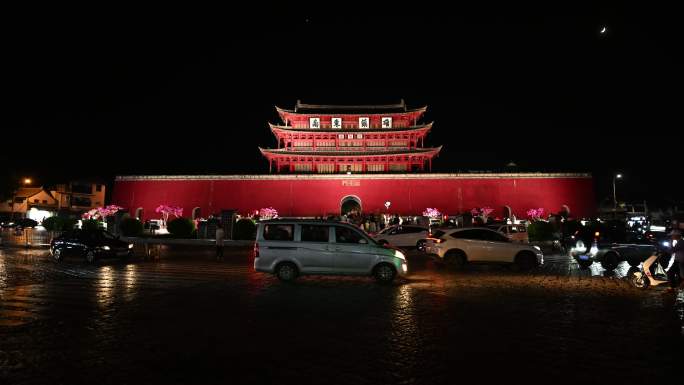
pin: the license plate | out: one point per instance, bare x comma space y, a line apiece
584, 257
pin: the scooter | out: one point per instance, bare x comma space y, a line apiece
651, 274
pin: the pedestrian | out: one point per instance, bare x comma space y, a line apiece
674, 275
220, 234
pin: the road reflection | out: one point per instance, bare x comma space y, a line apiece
105, 287
130, 281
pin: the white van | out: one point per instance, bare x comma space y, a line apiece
289, 248
516, 233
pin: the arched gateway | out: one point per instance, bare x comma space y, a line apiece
350, 203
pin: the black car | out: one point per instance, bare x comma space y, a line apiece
90, 245
609, 244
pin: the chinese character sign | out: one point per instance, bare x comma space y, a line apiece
387, 122
336, 122
314, 122
364, 122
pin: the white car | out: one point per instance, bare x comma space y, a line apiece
458, 247
403, 236
516, 233
289, 248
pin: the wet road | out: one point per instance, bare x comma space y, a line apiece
190, 319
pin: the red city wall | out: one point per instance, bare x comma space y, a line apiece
313, 195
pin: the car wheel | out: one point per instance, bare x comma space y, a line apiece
384, 273
455, 259
90, 256
584, 264
609, 261
286, 271
57, 255
525, 260
420, 245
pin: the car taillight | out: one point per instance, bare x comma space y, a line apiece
256, 249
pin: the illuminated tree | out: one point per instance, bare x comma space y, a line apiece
166, 210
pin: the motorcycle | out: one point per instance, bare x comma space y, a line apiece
651, 274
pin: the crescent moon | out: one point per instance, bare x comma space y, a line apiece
603, 30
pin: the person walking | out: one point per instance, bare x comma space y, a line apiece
220, 235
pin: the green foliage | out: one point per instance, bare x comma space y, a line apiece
53, 224
91, 225
57, 223
181, 227
540, 231
131, 227
245, 229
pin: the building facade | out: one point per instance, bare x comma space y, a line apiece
329, 139
311, 195
38, 203
370, 159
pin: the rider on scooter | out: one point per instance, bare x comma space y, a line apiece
674, 275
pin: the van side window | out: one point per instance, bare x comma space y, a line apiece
315, 233
347, 235
278, 232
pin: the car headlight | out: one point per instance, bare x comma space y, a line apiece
130, 245
537, 247
399, 255
666, 243
105, 248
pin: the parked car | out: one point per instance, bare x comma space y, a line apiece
403, 236
89, 245
289, 248
20, 223
458, 247
516, 233
609, 248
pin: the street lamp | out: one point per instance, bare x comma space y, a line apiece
615, 177
27, 181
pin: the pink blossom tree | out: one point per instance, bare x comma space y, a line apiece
432, 213
166, 210
482, 212
535, 214
267, 213
101, 213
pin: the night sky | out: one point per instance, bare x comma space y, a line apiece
93, 93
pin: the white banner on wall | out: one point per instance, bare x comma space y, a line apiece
364, 122
387, 122
314, 122
336, 123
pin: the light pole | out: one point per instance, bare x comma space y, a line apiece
615, 177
